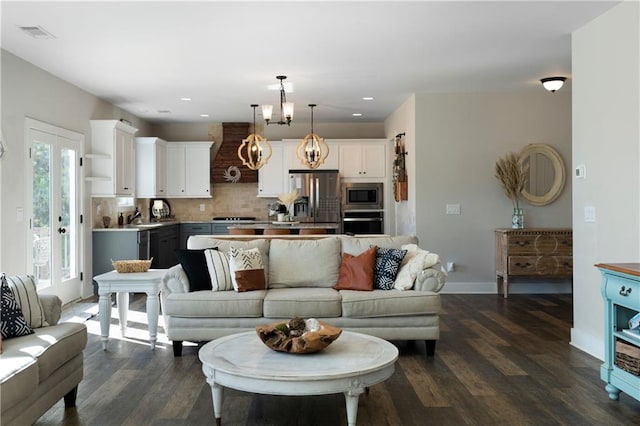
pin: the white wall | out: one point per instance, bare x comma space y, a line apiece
606, 139
459, 137
28, 91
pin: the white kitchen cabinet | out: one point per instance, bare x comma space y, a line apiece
272, 176
363, 160
291, 160
151, 167
112, 159
188, 169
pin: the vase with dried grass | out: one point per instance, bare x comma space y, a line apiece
513, 175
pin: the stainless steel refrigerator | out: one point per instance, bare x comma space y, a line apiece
318, 195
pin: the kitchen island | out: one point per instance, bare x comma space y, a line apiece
293, 227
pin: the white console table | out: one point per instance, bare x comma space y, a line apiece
122, 284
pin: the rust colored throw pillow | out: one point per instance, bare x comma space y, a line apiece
356, 272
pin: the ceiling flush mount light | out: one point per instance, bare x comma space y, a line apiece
312, 150
286, 108
553, 83
252, 150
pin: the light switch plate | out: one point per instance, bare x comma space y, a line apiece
589, 214
453, 208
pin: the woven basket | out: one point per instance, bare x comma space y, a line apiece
628, 358
127, 266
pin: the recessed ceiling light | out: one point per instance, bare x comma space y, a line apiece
185, 99
367, 98
164, 111
204, 115
357, 114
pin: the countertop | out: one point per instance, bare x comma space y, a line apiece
257, 224
285, 225
139, 226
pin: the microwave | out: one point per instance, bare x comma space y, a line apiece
359, 196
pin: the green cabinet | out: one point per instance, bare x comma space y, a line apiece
189, 229
163, 243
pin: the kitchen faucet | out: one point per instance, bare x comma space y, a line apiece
136, 215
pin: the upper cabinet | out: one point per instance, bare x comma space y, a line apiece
272, 176
151, 167
291, 160
188, 169
112, 159
363, 160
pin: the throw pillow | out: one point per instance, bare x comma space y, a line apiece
356, 272
195, 266
25, 293
12, 322
247, 269
219, 271
387, 264
414, 262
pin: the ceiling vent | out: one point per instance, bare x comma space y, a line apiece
164, 111
36, 32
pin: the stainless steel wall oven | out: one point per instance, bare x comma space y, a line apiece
362, 208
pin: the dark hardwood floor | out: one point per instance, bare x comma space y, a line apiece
505, 362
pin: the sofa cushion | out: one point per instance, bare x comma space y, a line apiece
19, 373
54, 346
356, 245
219, 270
194, 265
356, 272
382, 303
26, 294
387, 264
304, 263
302, 302
13, 322
215, 304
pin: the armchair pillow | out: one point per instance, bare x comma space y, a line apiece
25, 293
356, 272
13, 323
414, 262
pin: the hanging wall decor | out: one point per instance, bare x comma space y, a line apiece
400, 181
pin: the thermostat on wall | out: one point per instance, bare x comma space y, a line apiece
581, 172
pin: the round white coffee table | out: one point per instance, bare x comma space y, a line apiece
349, 365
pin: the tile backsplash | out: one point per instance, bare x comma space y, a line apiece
229, 199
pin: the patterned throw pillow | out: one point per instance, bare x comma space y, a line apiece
25, 293
247, 269
388, 261
13, 323
219, 270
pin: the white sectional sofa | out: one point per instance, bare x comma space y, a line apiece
300, 272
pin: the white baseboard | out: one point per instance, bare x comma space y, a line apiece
537, 287
587, 343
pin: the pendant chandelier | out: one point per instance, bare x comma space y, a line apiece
312, 150
252, 150
286, 108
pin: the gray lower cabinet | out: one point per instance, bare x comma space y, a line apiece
118, 245
189, 229
220, 228
163, 243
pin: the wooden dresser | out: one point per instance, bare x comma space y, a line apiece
533, 252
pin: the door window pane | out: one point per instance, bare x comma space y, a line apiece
41, 227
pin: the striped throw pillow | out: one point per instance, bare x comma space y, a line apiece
219, 271
24, 290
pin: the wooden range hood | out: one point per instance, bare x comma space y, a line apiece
227, 156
